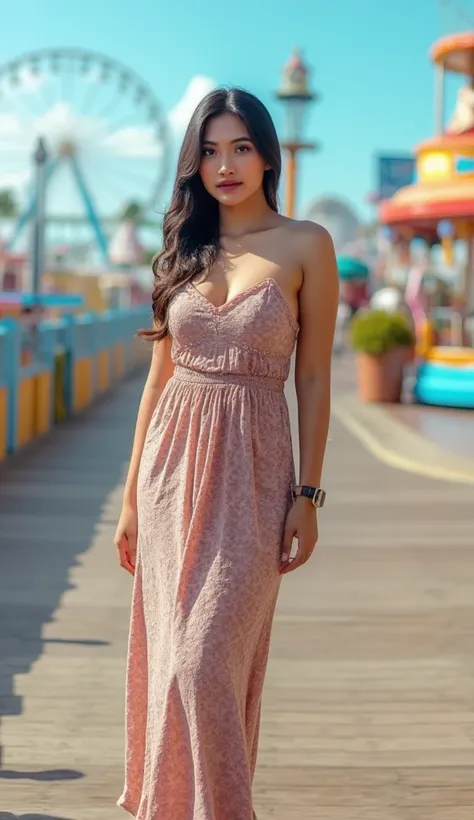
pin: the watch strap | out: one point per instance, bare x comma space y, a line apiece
316, 494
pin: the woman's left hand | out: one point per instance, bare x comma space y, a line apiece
301, 523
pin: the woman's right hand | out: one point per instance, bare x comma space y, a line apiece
126, 537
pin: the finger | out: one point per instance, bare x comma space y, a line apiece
287, 542
302, 555
126, 559
126, 544
126, 564
131, 546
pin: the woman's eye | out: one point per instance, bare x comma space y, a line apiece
207, 152
243, 148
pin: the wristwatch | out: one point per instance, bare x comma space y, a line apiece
316, 495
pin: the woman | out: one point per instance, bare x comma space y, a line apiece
209, 490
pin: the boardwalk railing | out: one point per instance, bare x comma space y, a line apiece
59, 367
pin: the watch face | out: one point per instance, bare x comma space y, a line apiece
318, 498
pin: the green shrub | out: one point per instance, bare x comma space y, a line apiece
375, 332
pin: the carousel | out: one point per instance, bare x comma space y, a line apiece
439, 206
439, 209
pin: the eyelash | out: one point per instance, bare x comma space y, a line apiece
205, 150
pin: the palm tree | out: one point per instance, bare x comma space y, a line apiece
8, 205
132, 212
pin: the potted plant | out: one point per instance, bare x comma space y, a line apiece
385, 344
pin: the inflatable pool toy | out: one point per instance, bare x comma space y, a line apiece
445, 377
451, 355
445, 384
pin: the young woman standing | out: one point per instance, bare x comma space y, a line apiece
210, 494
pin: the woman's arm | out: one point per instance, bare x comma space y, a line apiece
318, 301
319, 298
126, 535
161, 369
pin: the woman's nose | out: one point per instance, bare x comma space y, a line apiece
226, 166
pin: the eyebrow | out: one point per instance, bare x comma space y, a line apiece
239, 139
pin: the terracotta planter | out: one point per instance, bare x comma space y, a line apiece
380, 378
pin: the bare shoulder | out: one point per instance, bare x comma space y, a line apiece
316, 256
307, 238
311, 238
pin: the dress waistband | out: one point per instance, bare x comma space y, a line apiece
185, 374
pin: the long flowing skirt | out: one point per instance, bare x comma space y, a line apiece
214, 490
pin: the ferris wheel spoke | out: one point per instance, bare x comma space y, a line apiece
50, 94
129, 165
89, 98
36, 92
95, 192
19, 104
115, 190
28, 109
112, 104
68, 78
137, 145
89, 206
106, 157
127, 121
126, 175
116, 199
32, 109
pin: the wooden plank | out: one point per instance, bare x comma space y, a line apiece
368, 706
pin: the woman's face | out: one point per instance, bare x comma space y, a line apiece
231, 168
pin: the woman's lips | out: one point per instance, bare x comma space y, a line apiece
228, 186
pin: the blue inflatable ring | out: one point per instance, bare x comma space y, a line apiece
445, 385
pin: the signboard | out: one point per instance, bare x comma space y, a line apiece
394, 173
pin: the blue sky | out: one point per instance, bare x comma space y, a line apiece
369, 62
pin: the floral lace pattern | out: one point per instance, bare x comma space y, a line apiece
214, 490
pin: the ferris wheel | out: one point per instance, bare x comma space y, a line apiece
106, 137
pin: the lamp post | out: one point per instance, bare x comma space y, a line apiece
296, 96
37, 252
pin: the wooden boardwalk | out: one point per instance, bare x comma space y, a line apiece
369, 701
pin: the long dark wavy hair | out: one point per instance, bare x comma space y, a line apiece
191, 230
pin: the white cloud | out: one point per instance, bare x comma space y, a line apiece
61, 122
198, 87
133, 142
14, 180
10, 126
